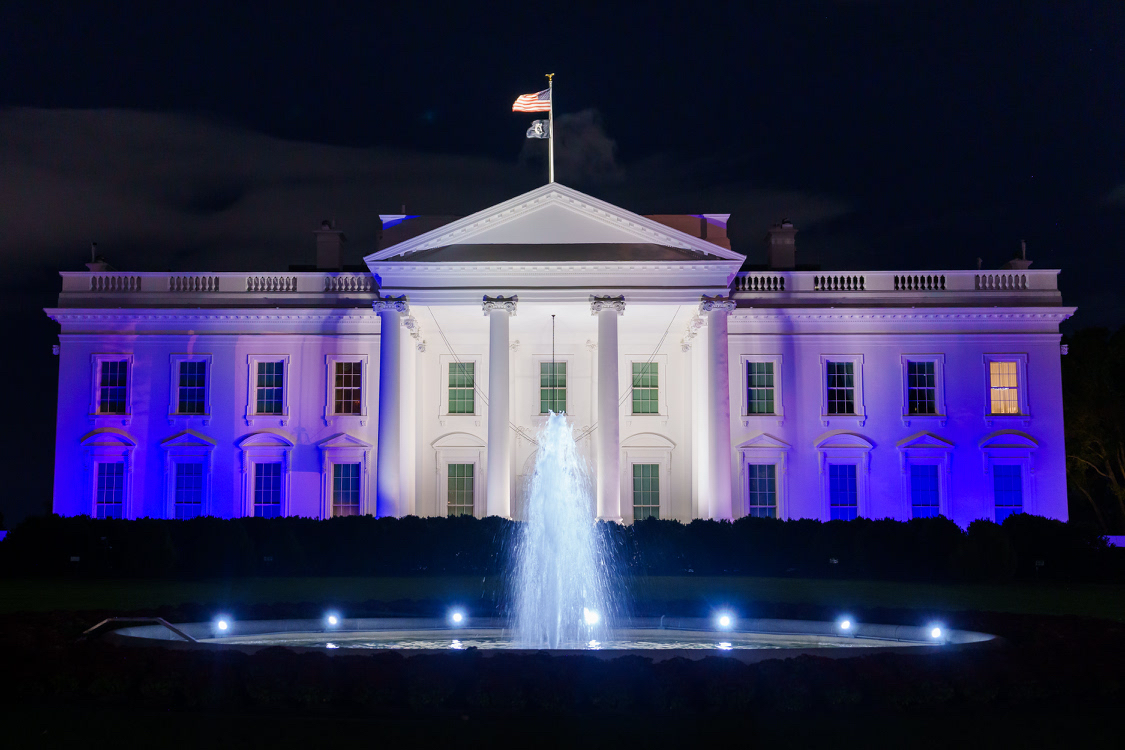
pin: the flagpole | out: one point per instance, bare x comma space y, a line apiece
551, 129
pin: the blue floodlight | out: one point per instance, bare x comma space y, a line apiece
332, 619
457, 617
222, 624
845, 624
590, 616
725, 620
936, 632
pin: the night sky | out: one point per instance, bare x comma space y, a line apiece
897, 134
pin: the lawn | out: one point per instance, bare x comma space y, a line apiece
45, 594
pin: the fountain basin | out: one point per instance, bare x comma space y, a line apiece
657, 638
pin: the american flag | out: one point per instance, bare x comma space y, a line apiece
540, 102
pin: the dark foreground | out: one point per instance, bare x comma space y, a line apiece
1054, 680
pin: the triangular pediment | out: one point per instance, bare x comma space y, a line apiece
188, 439
924, 440
556, 215
762, 440
343, 440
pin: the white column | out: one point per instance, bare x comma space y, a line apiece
609, 413
718, 407
388, 478
498, 496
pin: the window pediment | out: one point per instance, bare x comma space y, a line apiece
763, 440
1009, 439
265, 440
108, 438
188, 439
924, 440
647, 440
847, 440
458, 440
343, 440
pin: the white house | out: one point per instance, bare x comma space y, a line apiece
696, 390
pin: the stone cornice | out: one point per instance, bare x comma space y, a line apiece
68, 315
926, 314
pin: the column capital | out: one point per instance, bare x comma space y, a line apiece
391, 304
597, 304
716, 304
500, 302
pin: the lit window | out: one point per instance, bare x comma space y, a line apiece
646, 388
267, 490
189, 490
110, 493
924, 490
1008, 488
112, 387
646, 491
759, 388
460, 489
270, 382
762, 490
552, 387
345, 489
462, 387
841, 387
921, 388
191, 388
843, 494
348, 388
1004, 387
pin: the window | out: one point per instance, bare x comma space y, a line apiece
646, 388
841, 387
1004, 387
348, 388
109, 498
269, 388
345, 489
460, 490
462, 387
552, 387
112, 387
843, 494
267, 489
191, 388
759, 388
762, 490
646, 491
188, 491
921, 389
1008, 486
924, 490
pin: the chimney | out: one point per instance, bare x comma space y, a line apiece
329, 247
1021, 263
97, 262
781, 247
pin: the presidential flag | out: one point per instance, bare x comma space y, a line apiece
539, 129
540, 102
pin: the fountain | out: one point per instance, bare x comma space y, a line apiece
563, 586
563, 595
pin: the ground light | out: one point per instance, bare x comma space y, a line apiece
222, 624
332, 619
936, 632
845, 624
590, 616
457, 617
725, 620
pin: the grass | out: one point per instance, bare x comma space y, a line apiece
47, 594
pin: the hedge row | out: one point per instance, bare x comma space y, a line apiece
934, 549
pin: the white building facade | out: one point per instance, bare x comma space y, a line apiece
695, 389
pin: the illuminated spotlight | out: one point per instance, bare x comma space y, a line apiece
725, 620
725, 646
590, 616
457, 617
936, 632
222, 624
845, 624
332, 619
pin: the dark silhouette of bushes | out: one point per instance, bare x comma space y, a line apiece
932, 549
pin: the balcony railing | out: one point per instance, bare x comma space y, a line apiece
309, 282
893, 283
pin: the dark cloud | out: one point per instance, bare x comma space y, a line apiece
163, 191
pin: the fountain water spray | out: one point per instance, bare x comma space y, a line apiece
563, 584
